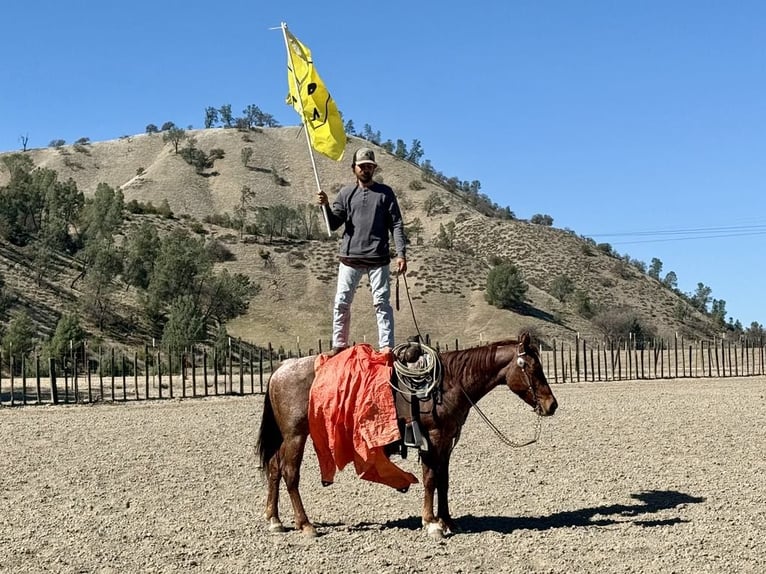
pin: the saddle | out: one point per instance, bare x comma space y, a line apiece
416, 383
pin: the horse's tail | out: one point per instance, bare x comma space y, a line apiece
269, 437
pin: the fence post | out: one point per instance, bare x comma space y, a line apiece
124, 380
170, 372
194, 371
215, 370
555, 366
54, 389
86, 366
37, 378
252, 374
146, 372
66, 381
135, 373
598, 361
75, 383
159, 374
563, 366
260, 369
204, 369
229, 387
183, 373
241, 370
23, 379
100, 373
111, 370
577, 356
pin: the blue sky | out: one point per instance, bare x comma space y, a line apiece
641, 124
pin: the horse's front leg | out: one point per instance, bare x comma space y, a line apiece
291, 472
442, 490
433, 528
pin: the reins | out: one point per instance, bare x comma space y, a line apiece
504, 439
432, 369
409, 300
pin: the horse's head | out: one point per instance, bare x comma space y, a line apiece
526, 378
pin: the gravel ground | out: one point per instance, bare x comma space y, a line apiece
650, 477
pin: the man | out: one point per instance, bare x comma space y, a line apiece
370, 213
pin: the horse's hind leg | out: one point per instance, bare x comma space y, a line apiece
272, 498
291, 472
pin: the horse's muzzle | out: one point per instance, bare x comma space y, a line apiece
547, 408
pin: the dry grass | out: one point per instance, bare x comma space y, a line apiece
446, 288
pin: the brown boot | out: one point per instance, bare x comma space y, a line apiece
334, 351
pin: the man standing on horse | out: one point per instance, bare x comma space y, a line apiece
370, 213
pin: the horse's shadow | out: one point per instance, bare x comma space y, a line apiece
649, 502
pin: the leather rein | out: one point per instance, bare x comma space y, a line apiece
521, 363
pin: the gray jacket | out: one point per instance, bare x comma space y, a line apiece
370, 215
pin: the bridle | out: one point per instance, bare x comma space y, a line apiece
522, 364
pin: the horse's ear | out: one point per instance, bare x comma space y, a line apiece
525, 340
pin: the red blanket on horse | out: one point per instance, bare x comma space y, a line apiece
352, 416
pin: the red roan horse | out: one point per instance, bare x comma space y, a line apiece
468, 375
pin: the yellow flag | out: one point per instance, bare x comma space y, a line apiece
309, 96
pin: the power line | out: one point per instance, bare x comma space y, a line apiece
667, 235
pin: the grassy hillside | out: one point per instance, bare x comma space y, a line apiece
297, 278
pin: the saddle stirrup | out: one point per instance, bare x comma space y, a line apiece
413, 437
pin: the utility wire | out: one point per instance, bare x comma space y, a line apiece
658, 236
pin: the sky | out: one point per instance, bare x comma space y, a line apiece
641, 124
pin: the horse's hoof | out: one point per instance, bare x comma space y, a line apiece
275, 526
403, 490
435, 531
326, 483
309, 531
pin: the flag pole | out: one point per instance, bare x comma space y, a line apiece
324, 208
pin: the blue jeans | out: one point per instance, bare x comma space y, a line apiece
380, 285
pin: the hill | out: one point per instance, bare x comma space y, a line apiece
297, 277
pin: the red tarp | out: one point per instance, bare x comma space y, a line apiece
352, 416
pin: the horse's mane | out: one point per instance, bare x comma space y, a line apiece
476, 362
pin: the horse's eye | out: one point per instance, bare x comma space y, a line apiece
521, 362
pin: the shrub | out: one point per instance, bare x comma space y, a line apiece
582, 304
605, 248
506, 287
622, 269
218, 252
623, 323
562, 287
416, 185
541, 219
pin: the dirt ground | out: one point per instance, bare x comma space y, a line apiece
650, 477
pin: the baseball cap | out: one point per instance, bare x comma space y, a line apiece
364, 155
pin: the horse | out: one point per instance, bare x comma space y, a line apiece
467, 376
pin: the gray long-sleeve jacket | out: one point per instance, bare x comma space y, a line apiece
370, 215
